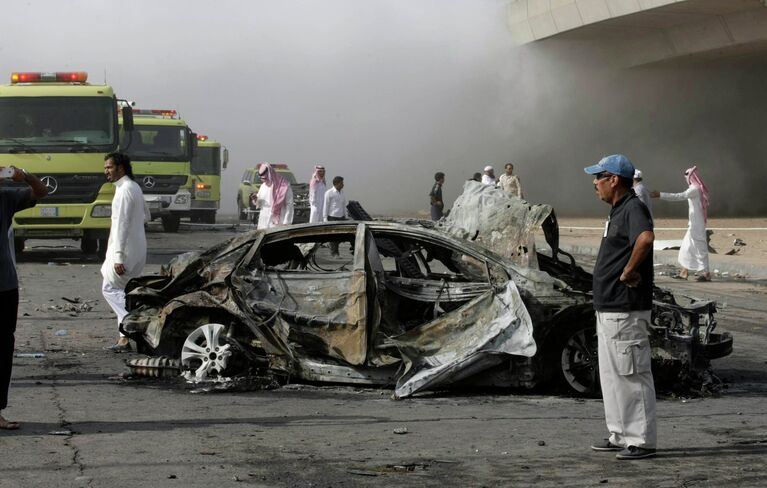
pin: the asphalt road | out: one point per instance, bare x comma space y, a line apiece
84, 424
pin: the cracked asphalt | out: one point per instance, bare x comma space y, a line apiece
84, 424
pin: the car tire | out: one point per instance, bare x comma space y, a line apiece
573, 355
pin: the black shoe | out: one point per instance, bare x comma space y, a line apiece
634, 452
119, 348
606, 445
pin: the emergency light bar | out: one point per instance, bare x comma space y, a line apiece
201, 137
154, 111
40, 77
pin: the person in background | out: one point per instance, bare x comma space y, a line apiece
126, 248
12, 200
489, 177
642, 192
435, 195
693, 255
623, 289
476, 177
334, 207
274, 199
509, 182
317, 188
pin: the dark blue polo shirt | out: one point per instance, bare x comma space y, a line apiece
628, 219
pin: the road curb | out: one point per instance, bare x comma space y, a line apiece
749, 270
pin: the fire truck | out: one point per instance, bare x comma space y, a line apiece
58, 126
160, 147
207, 163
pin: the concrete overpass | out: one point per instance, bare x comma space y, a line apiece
648, 31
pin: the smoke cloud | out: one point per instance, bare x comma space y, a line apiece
388, 92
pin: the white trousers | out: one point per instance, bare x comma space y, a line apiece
115, 297
625, 371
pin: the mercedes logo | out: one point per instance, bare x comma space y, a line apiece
50, 183
148, 182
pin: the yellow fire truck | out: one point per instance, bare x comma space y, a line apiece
207, 163
58, 126
160, 147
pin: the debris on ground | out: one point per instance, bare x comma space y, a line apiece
73, 306
160, 367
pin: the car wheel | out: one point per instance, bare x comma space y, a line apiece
576, 358
206, 352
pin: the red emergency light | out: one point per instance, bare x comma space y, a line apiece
155, 111
41, 77
201, 137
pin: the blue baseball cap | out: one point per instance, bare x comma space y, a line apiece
617, 164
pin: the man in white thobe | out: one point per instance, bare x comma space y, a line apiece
642, 192
489, 177
317, 188
126, 248
274, 199
693, 254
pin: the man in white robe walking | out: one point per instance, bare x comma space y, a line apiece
317, 188
274, 199
126, 248
693, 254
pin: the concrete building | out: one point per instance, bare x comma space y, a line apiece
648, 31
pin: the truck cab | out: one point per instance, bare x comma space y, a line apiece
207, 163
58, 126
160, 147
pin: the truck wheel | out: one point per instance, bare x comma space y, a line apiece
89, 245
18, 245
170, 223
241, 210
102, 251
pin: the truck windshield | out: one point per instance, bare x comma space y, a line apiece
207, 161
156, 143
57, 124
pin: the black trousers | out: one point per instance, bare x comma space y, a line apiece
334, 245
9, 309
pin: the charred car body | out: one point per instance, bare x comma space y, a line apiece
404, 304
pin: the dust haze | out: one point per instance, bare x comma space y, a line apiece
388, 92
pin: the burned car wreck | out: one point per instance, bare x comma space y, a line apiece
410, 304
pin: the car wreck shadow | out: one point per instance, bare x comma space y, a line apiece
116, 427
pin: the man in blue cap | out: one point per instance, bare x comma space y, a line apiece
623, 281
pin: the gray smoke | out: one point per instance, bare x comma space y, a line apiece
387, 92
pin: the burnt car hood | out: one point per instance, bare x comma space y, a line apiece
500, 222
